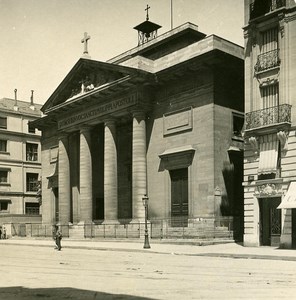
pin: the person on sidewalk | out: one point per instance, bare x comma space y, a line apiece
3, 232
57, 235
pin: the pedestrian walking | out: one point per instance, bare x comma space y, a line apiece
57, 235
4, 232
0, 232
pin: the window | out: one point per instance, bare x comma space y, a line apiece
3, 176
269, 51
238, 124
3, 146
4, 205
270, 96
260, 8
32, 182
3, 122
32, 152
269, 40
32, 208
31, 129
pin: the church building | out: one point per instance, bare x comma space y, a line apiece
163, 119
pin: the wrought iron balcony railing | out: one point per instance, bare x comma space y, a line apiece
267, 61
268, 116
263, 7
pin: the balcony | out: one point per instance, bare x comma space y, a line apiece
268, 116
267, 61
260, 8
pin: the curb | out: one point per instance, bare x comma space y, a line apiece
150, 250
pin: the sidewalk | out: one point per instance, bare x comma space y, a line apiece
172, 247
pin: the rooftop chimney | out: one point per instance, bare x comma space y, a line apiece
32, 100
15, 107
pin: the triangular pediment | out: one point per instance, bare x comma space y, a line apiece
88, 76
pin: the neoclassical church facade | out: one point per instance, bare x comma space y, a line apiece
163, 119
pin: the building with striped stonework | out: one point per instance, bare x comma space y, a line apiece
162, 119
270, 136
20, 161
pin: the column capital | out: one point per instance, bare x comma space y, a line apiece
85, 128
138, 113
109, 121
62, 135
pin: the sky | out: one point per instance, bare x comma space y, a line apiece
41, 39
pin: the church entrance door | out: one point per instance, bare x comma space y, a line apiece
179, 197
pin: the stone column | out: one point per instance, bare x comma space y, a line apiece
110, 173
139, 169
86, 194
64, 180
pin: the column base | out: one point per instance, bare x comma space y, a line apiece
110, 222
63, 224
82, 223
138, 221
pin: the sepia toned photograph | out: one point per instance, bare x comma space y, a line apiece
147, 149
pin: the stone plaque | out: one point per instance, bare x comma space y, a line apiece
177, 121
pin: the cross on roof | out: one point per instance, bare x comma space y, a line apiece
84, 40
147, 15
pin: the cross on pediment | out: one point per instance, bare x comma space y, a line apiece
84, 40
147, 9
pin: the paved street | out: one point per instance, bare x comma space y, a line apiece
31, 272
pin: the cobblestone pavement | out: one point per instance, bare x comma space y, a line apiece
130, 272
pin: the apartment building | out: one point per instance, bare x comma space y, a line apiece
270, 135
20, 161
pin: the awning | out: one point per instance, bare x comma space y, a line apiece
268, 157
289, 201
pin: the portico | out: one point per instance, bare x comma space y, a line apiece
88, 150
111, 165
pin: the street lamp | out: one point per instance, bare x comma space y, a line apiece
145, 200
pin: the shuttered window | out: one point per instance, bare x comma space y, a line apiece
270, 96
269, 40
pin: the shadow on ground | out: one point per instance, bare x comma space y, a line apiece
22, 293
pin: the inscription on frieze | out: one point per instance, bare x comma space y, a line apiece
177, 121
101, 110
